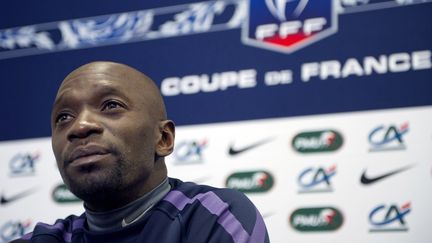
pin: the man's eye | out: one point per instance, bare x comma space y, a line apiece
62, 118
109, 105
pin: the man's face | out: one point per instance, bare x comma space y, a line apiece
104, 132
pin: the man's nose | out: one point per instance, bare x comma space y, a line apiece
85, 125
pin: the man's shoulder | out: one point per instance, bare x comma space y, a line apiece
225, 214
184, 193
51, 232
70, 223
191, 189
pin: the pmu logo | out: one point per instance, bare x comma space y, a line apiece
250, 181
190, 152
13, 229
316, 219
61, 194
389, 218
288, 25
316, 179
23, 163
388, 137
317, 141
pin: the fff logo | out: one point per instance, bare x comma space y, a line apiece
288, 25
389, 217
390, 137
316, 179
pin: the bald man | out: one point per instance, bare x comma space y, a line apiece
110, 134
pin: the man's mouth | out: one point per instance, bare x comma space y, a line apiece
87, 154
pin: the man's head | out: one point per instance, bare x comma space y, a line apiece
110, 134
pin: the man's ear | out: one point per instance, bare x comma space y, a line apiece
165, 143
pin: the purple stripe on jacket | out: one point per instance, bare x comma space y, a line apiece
215, 205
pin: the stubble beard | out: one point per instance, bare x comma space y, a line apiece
97, 185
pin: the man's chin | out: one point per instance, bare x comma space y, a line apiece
95, 185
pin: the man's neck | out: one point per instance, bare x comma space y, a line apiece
128, 214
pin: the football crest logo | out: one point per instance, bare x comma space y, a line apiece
278, 8
288, 25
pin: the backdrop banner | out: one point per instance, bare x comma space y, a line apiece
320, 111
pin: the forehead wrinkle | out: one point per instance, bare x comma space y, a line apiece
100, 89
118, 73
100, 78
